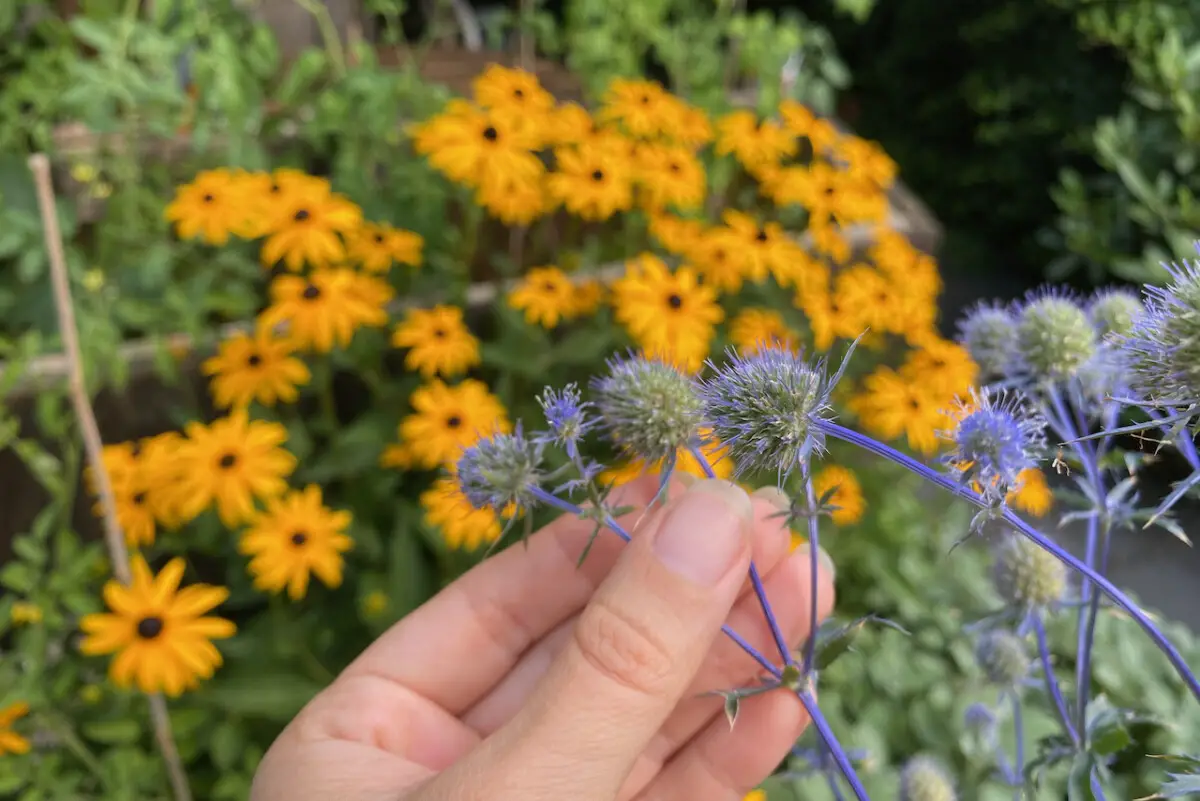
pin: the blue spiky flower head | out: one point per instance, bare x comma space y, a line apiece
1027, 576
997, 436
649, 408
1115, 311
1163, 347
1003, 657
1055, 337
925, 778
568, 416
989, 333
501, 471
766, 407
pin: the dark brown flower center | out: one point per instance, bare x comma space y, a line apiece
491, 134
139, 498
674, 301
914, 403
311, 292
208, 198
378, 239
275, 188
135, 450
301, 215
254, 360
227, 461
299, 538
762, 236
453, 421
674, 167
645, 100
518, 92
597, 175
439, 333
150, 627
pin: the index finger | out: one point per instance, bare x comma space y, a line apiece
459, 644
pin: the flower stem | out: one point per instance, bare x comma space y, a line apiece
1052, 687
1019, 737
759, 590
1097, 539
831, 742
810, 647
1107, 587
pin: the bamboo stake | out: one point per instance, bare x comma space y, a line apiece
114, 538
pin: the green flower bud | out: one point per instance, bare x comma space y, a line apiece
925, 779
1115, 311
1002, 657
1026, 575
1054, 337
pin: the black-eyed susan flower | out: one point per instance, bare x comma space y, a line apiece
10, 741
589, 296
891, 406
326, 308
847, 494
232, 462
670, 175
143, 475
210, 208
687, 125
669, 314
1032, 493
546, 295
720, 256
643, 108
377, 246
515, 199
592, 182
821, 134
946, 366
874, 300
677, 235
446, 419
515, 91
159, 633
438, 342
460, 525
754, 142
296, 537
685, 462
864, 160
119, 460
134, 513
309, 229
573, 125
268, 197
754, 328
829, 240
258, 366
466, 143
765, 247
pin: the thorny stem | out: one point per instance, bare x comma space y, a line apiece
759, 590
810, 647
828, 738
114, 538
1052, 687
1107, 587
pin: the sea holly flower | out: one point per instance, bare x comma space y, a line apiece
568, 416
1054, 337
1026, 576
1115, 311
997, 437
767, 407
501, 471
926, 779
1003, 658
649, 408
989, 333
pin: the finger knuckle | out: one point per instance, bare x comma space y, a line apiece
623, 648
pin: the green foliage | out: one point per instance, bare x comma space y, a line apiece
1142, 209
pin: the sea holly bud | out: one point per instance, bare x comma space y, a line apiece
1025, 575
1054, 337
1115, 311
1163, 347
1003, 658
924, 778
989, 333
649, 407
501, 471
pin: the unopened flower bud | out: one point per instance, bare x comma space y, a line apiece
926, 779
649, 407
1003, 657
1054, 337
501, 470
989, 333
1114, 311
1025, 574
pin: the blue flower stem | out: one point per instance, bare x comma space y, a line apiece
1107, 587
1098, 536
760, 591
1060, 704
831, 742
810, 703
831, 780
1019, 737
810, 647
1097, 788
574, 509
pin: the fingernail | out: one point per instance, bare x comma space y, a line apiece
704, 536
825, 560
774, 496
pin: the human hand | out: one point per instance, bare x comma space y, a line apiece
531, 679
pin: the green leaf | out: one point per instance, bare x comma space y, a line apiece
354, 451
268, 692
112, 732
409, 573
733, 704
226, 745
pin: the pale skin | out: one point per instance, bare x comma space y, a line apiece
531, 679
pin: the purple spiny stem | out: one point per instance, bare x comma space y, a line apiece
953, 486
609, 522
810, 647
1052, 687
756, 580
831, 742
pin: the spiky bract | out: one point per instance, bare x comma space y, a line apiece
649, 408
501, 471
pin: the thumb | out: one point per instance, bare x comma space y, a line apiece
635, 649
